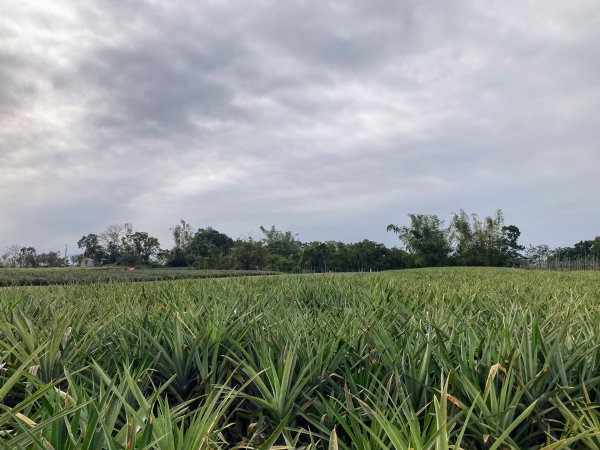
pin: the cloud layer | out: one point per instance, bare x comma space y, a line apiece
329, 118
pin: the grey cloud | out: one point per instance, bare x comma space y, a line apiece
325, 117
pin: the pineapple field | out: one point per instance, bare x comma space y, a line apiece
460, 358
76, 275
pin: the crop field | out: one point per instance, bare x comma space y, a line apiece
415, 359
76, 275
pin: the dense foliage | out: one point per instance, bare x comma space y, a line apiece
119, 243
279, 251
427, 242
428, 359
581, 250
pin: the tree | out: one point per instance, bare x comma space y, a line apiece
582, 250
176, 258
27, 257
315, 257
283, 243
112, 240
484, 243
492, 239
209, 249
248, 255
426, 239
396, 258
536, 257
92, 248
595, 249
182, 235
139, 247
50, 259
462, 236
119, 244
11, 257
283, 248
369, 255
162, 256
511, 247
340, 256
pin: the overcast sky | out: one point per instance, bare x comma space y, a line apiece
330, 119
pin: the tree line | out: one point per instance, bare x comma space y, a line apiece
583, 254
426, 242
20, 256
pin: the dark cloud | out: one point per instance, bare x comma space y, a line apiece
330, 118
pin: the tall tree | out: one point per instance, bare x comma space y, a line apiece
283, 248
28, 257
11, 257
182, 235
536, 257
425, 238
209, 249
112, 240
315, 257
510, 246
92, 248
50, 259
248, 254
484, 243
139, 246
